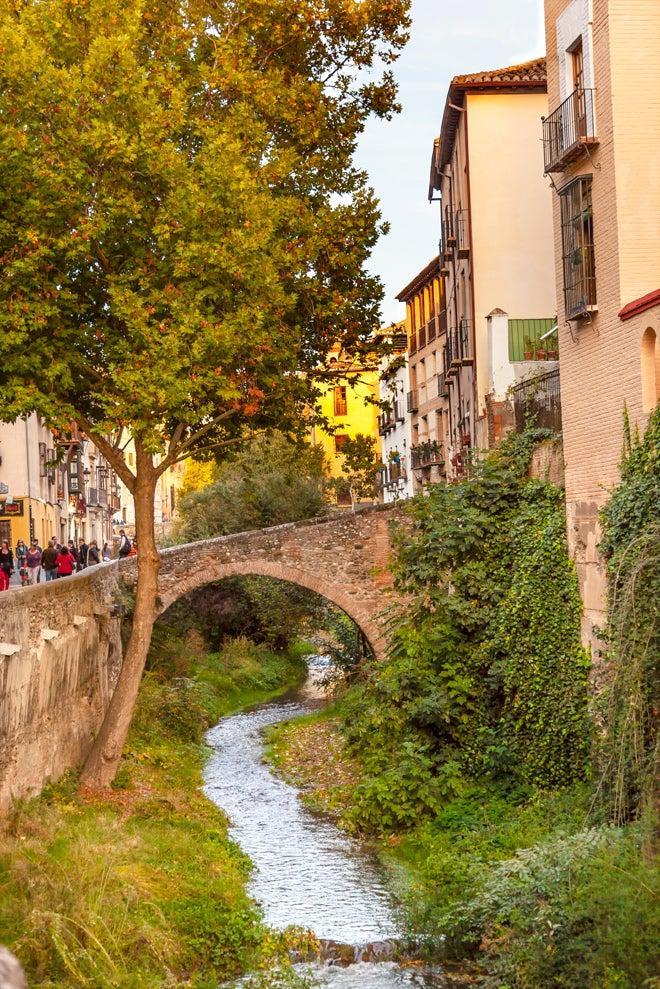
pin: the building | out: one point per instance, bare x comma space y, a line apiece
166, 496
426, 404
496, 294
53, 485
394, 423
348, 401
600, 142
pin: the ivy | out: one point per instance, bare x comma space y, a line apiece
628, 753
486, 675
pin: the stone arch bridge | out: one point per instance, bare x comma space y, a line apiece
60, 645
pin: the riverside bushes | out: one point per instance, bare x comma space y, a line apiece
141, 888
487, 678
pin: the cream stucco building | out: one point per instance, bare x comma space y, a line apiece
601, 143
53, 485
496, 255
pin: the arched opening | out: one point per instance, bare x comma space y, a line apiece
650, 360
255, 633
271, 612
357, 608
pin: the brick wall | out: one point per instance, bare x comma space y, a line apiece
600, 356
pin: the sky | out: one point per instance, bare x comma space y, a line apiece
448, 38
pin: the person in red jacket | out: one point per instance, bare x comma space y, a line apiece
65, 562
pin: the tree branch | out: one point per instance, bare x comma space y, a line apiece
111, 454
175, 450
206, 449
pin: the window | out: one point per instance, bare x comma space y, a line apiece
50, 456
650, 370
43, 468
340, 442
341, 406
577, 236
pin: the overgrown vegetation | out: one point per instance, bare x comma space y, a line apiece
469, 753
628, 756
140, 887
487, 677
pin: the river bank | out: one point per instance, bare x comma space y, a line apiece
523, 885
141, 887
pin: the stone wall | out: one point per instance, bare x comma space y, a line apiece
60, 655
60, 647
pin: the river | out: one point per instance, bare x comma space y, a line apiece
307, 873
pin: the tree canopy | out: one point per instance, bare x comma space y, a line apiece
182, 226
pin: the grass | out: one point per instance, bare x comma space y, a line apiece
522, 881
141, 887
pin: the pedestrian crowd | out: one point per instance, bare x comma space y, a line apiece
57, 559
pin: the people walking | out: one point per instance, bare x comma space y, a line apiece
33, 560
6, 565
83, 549
66, 562
21, 553
124, 544
93, 554
49, 560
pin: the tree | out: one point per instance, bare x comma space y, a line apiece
360, 467
182, 230
270, 481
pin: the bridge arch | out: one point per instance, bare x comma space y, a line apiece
345, 557
343, 599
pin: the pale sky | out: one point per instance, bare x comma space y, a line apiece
448, 38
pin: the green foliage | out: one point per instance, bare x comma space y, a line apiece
183, 225
360, 464
577, 910
628, 754
141, 888
270, 482
486, 675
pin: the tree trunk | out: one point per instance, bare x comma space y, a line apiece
102, 762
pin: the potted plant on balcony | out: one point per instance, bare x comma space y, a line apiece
541, 353
528, 352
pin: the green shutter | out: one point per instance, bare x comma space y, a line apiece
528, 329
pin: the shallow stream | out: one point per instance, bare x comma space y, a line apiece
307, 873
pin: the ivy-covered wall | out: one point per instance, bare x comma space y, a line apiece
487, 676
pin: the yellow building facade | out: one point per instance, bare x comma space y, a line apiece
349, 401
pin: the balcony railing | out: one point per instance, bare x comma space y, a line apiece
538, 401
385, 422
432, 329
412, 400
421, 337
462, 227
93, 496
443, 385
412, 345
427, 454
465, 341
392, 473
568, 130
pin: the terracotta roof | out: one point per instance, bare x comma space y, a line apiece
526, 73
640, 305
421, 279
527, 77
